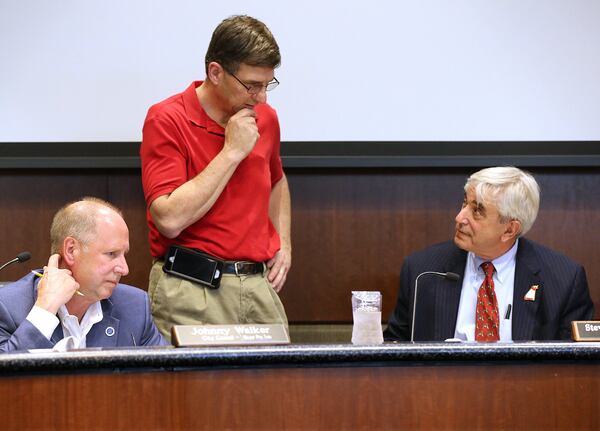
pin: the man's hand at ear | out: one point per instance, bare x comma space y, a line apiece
56, 287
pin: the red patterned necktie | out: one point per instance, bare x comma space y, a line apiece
487, 323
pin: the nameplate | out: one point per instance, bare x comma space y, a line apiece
228, 335
585, 330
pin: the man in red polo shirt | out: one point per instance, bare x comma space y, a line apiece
213, 182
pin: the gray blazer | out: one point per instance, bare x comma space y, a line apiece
562, 295
127, 320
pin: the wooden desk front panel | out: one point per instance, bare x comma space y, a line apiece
519, 396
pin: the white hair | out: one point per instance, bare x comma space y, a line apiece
514, 192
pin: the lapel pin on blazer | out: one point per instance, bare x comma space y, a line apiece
110, 331
530, 295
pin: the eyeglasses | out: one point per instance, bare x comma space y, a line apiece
256, 88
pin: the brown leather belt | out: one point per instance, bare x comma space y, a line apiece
243, 268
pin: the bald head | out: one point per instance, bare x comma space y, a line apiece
79, 220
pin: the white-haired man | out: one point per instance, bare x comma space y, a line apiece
510, 288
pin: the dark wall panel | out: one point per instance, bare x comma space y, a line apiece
351, 227
351, 230
29, 200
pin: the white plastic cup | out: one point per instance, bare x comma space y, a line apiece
366, 313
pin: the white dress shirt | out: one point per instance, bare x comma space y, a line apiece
74, 332
504, 283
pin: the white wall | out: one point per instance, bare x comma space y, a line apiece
85, 70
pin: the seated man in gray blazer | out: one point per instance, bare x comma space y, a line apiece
510, 288
78, 301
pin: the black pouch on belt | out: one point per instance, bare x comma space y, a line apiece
194, 265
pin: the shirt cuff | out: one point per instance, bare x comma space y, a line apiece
43, 320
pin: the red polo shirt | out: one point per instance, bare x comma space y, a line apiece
179, 140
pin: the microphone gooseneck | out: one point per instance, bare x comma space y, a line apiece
452, 276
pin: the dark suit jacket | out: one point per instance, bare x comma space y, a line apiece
562, 295
127, 312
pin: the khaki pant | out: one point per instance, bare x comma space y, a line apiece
239, 299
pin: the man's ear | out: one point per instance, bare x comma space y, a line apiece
513, 228
71, 249
215, 73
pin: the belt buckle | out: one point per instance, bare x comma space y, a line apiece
237, 270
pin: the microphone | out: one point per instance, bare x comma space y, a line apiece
447, 275
21, 257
